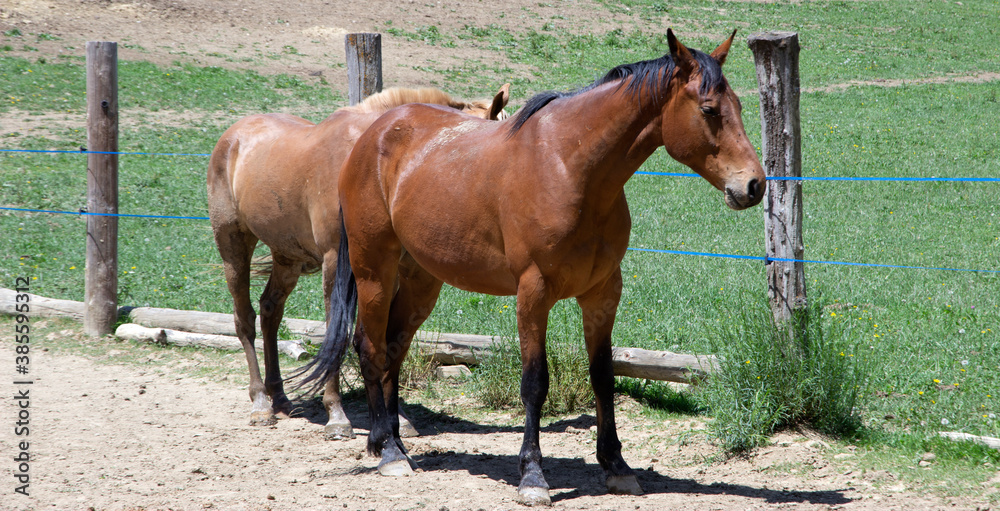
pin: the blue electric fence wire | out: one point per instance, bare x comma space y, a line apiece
671, 174
98, 152
786, 260
703, 254
641, 173
819, 178
781, 259
925, 179
658, 251
86, 213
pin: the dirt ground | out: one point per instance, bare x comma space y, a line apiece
129, 437
145, 435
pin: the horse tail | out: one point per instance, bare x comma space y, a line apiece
339, 324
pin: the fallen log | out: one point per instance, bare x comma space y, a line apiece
216, 322
188, 321
468, 349
166, 336
988, 441
443, 348
662, 365
40, 307
454, 349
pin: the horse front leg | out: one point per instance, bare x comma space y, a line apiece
599, 307
533, 306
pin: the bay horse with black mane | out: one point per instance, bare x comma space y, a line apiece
269, 180
534, 207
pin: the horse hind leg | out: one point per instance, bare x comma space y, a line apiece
375, 271
284, 276
338, 426
236, 248
413, 302
406, 427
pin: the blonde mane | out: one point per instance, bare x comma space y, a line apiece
396, 96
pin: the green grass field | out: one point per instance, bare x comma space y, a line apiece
931, 336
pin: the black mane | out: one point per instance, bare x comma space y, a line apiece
644, 74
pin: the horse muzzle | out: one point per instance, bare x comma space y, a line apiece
745, 194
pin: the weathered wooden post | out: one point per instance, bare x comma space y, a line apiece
364, 65
776, 55
101, 276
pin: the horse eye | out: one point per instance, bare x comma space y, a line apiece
710, 111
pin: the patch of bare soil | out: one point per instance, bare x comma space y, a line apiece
148, 436
303, 38
974, 78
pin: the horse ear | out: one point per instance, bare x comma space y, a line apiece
682, 57
719, 54
499, 101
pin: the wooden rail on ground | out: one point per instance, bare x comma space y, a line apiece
166, 336
216, 330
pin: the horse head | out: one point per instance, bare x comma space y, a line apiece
492, 110
702, 125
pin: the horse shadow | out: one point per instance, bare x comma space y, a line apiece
568, 478
571, 478
428, 422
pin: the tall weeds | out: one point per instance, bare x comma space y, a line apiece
497, 381
808, 372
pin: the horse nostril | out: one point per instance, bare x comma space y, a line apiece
753, 190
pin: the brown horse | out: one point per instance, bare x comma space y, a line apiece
269, 179
533, 207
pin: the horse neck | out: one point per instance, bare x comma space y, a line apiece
616, 132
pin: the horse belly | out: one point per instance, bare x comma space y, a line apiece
276, 216
459, 255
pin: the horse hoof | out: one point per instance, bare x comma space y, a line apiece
282, 407
339, 431
534, 496
624, 485
263, 419
395, 468
284, 412
406, 429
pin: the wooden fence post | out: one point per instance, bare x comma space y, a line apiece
101, 276
776, 55
364, 65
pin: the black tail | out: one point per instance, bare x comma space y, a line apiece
339, 324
